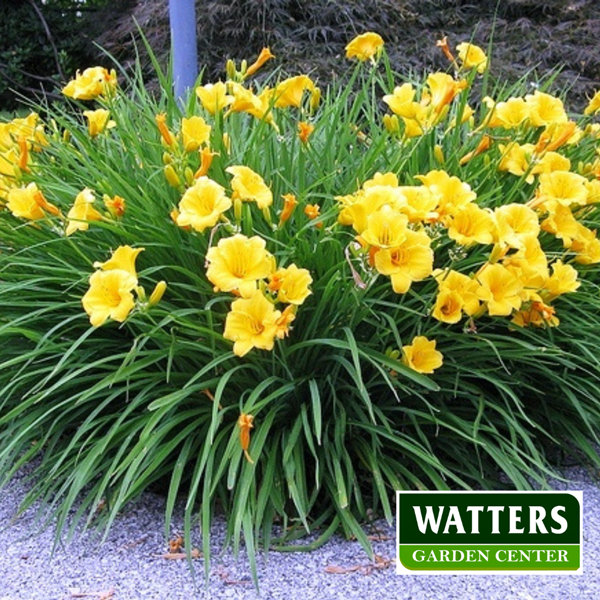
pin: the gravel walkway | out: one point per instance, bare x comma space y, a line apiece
130, 566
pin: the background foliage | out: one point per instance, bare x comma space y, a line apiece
306, 36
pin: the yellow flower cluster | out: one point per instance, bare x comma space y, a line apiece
94, 82
244, 267
393, 223
112, 287
18, 138
420, 116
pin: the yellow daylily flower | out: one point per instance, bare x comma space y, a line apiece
594, 105
291, 91
457, 293
452, 193
562, 281
244, 100
249, 186
366, 46
214, 97
515, 223
110, 296
195, 133
561, 187
93, 82
82, 212
251, 323
545, 109
29, 203
291, 284
471, 225
237, 263
472, 56
587, 246
98, 121
421, 355
500, 289
410, 261
202, 205
509, 114
386, 228
122, 259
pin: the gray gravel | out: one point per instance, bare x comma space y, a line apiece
130, 566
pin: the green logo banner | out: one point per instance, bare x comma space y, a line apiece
489, 532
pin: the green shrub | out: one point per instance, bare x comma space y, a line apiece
415, 344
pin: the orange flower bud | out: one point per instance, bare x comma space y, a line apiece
288, 208
263, 57
245, 424
24, 154
206, 158
167, 136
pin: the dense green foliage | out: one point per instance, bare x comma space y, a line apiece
342, 417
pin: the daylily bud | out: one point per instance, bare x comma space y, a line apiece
206, 158
438, 153
315, 99
172, 176
158, 292
263, 57
245, 423
288, 208
189, 176
167, 136
391, 123
230, 70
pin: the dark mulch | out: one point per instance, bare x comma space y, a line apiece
310, 35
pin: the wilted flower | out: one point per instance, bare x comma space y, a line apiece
245, 423
263, 57
305, 131
115, 205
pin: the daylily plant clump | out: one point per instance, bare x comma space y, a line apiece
359, 287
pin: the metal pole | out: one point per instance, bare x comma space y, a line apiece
182, 15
